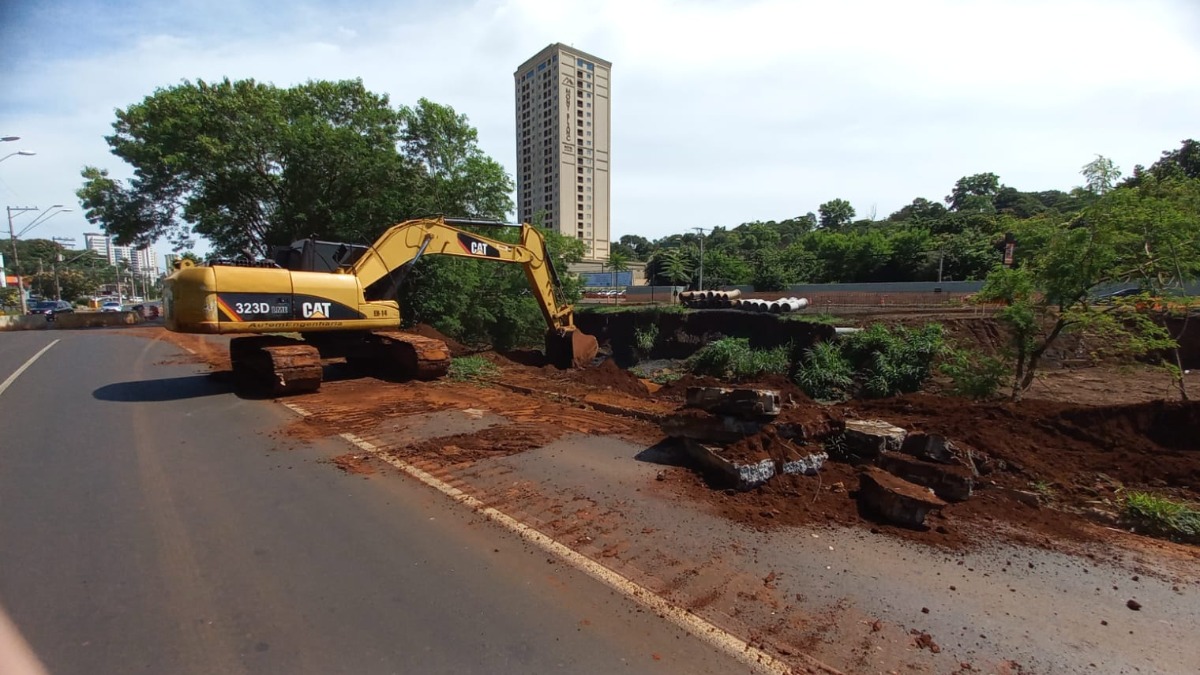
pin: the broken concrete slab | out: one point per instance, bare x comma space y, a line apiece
952, 483
700, 426
741, 475
868, 438
745, 403
895, 499
807, 465
703, 427
931, 447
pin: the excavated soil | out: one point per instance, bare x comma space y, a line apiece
1069, 456
1082, 451
608, 375
456, 348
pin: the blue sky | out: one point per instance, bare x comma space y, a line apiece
723, 111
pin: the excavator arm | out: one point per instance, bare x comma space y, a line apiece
382, 267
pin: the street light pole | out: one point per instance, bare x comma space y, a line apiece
43, 217
23, 153
17, 260
700, 231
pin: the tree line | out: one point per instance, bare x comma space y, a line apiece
958, 238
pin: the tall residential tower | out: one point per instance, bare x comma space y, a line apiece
562, 105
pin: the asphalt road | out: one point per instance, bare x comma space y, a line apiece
151, 521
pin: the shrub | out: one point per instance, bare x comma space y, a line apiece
732, 358
974, 375
891, 362
474, 367
645, 339
875, 362
824, 372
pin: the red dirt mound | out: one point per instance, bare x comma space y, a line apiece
425, 330
1143, 445
767, 444
609, 374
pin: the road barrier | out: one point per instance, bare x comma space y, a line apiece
73, 320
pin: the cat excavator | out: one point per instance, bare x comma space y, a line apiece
340, 301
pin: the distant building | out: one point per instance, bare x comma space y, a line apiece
142, 261
563, 132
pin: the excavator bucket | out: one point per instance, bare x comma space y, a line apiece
570, 348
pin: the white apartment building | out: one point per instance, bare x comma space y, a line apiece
142, 261
563, 133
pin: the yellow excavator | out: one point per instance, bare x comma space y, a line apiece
340, 300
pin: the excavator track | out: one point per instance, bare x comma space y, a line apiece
275, 365
406, 356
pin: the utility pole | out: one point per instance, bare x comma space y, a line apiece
941, 259
700, 231
16, 260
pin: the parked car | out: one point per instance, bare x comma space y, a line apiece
51, 307
111, 306
1108, 298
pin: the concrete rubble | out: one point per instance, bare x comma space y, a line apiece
952, 483
744, 403
716, 418
895, 499
739, 475
866, 439
737, 435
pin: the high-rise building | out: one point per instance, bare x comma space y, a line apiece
142, 261
563, 132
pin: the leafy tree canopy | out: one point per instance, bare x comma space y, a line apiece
251, 165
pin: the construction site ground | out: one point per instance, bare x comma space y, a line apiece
1032, 574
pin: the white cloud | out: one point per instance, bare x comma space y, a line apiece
722, 111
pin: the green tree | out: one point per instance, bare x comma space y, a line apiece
1101, 175
1148, 234
920, 210
673, 265
1181, 163
975, 193
770, 274
636, 246
836, 213
460, 178
68, 284
250, 165
617, 262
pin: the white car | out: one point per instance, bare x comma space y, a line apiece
111, 306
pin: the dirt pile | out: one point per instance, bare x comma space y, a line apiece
456, 348
608, 375
768, 444
1075, 449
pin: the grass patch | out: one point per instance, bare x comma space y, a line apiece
1162, 516
815, 317
474, 367
732, 358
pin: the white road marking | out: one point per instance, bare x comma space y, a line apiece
12, 378
751, 656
